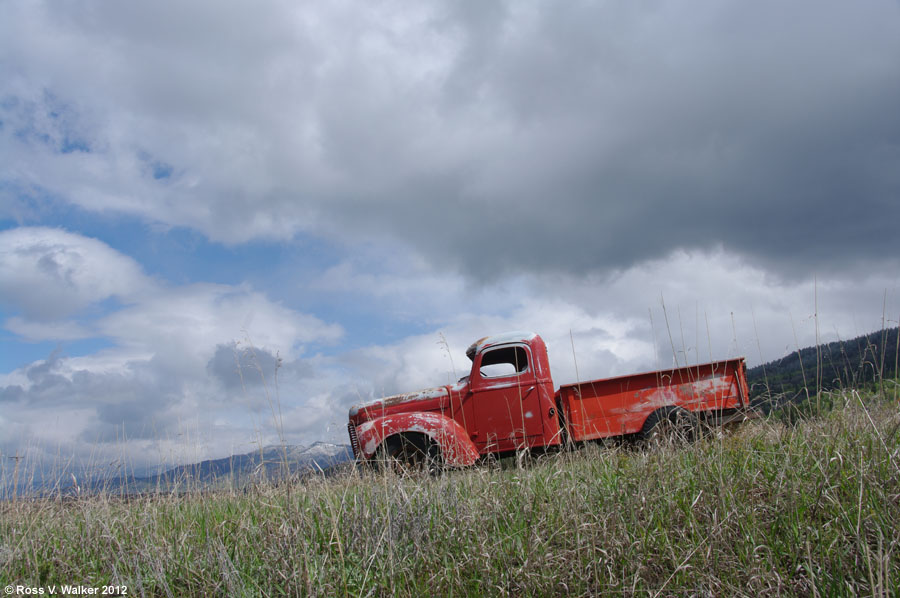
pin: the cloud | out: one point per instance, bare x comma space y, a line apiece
494, 139
50, 273
237, 368
162, 370
193, 320
38, 331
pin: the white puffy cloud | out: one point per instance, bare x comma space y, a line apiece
192, 320
50, 273
153, 380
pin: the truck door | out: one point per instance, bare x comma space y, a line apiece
506, 399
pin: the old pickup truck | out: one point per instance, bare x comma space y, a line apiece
507, 403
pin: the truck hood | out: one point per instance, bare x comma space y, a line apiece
399, 403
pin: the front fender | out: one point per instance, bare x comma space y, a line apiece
456, 448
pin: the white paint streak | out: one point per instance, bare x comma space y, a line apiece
400, 399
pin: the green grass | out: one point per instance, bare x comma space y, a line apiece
805, 509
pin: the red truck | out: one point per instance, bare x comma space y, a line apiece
508, 403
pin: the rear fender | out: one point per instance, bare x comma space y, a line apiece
456, 448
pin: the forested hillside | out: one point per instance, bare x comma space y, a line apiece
842, 364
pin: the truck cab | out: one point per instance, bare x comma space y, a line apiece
506, 403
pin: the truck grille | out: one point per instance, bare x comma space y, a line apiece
354, 440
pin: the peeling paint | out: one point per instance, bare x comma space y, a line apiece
620, 405
456, 448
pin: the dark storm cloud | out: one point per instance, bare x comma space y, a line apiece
488, 136
11, 393
624, 133
238, 367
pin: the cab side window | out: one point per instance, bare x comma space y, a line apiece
505, 361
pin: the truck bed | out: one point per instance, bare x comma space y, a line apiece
618, 406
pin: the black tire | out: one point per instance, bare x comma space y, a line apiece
669, 425
407, 454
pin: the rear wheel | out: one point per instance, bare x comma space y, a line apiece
669, 425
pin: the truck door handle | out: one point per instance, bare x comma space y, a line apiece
528, 392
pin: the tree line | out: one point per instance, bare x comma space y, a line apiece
864, 361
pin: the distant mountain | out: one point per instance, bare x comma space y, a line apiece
269, 463
863, 360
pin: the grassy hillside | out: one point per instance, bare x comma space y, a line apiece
773, 509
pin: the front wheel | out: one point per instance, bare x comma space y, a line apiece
408, 454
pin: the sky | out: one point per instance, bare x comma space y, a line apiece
224, 223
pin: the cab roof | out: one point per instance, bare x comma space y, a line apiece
517, 336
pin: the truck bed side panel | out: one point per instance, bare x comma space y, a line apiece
617, 406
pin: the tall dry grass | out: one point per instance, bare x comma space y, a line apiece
772, 509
